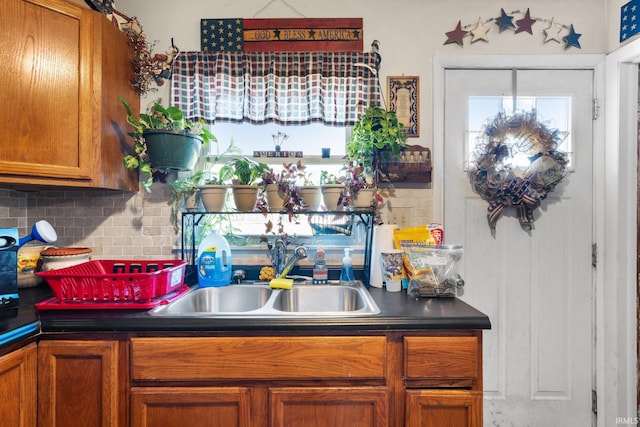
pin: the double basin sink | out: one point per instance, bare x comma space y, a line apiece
259, 300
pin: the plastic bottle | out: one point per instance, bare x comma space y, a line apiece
346, 275
214, 261
320, 272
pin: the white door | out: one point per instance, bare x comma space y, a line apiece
536, 286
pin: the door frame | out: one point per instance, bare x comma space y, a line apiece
622, 130
614, 214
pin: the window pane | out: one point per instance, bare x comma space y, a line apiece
552, 111
309, 139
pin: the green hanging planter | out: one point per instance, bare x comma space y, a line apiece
172, 150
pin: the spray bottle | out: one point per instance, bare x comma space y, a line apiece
346, 275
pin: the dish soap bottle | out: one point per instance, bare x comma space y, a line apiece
320, 273
346, 275
214, 261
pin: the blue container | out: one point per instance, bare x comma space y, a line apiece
8, 267
214, 262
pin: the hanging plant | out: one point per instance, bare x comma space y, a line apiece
378, 135
494, 172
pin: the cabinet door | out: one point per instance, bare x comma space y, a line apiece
18, 387
46, 132
79, 385
65, 66
193, 407
448, 408
335, 407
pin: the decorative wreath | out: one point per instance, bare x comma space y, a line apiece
495, 177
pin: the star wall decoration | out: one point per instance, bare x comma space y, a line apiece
456, 35
478, 30
552, 32
629, 20
505, 21
525, 23
572, 39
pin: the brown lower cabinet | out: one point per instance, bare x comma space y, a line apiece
80, 384
18, 387
364, 379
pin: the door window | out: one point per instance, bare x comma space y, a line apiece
553, 111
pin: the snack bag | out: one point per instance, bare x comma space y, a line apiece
416, 237
430, 234
434, 270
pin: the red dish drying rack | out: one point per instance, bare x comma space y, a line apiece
105, 284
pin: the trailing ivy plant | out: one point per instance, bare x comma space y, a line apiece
378, 135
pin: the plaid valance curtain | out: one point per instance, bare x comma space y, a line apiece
281, 87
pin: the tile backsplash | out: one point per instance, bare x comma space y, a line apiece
114, 224
123, 225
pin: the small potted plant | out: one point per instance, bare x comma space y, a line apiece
164, 139
244, 174
377, 137
184, 192
204, 181
333, 190
308, 190
362, 193
278, 190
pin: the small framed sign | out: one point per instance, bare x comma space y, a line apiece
404, 99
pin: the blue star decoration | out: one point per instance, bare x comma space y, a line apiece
505, 21
525, 23
571, 39
456, 35
629, 19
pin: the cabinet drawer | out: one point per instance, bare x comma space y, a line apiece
441, 358
263, 358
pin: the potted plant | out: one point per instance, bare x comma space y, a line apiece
361, 192
203, 182
332, 189
184, 192
164, 139
377, 136
278, 190
309, 192
244, 174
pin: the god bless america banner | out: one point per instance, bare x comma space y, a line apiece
281, 35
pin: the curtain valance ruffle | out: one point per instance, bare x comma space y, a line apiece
281, 87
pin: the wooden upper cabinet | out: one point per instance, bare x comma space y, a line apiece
63, 67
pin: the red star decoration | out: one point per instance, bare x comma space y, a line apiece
525, 24
456, 35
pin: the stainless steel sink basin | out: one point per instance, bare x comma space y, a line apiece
320, 299
258, 300
227, 299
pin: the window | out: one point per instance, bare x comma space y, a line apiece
314, 97
310, 139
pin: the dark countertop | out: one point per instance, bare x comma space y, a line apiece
398, 311
22, 322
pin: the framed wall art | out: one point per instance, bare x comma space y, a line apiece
404, 99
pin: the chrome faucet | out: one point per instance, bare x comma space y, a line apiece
278, 255
300, 252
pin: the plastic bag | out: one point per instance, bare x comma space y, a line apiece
433, 270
